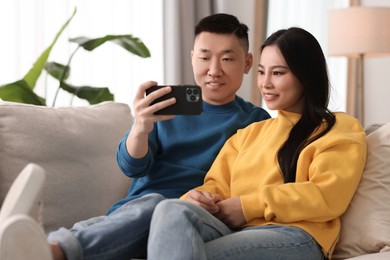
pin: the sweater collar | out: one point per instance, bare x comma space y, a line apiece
210, 108
290, 117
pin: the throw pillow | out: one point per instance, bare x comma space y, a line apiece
76, 147
365, 226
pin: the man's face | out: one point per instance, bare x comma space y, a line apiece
219, 63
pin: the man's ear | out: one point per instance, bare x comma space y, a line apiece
248, 63
192, 55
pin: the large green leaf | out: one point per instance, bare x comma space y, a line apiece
128, 42
93, 95
22, 90
57, 70
32, 76
19, 91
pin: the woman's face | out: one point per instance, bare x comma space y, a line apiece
279, 87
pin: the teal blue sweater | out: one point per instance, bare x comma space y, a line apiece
181, 150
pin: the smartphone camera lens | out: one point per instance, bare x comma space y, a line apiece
192, 95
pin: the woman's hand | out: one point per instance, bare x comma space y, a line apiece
205, 200
230, 212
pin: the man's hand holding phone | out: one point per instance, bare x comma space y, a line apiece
154, 103
188, 99
144, 117
145, 107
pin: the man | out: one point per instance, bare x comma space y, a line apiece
168, 155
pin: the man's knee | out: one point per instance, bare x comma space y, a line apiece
153, 197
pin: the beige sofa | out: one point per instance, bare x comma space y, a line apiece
76, 147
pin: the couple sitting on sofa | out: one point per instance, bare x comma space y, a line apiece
281, 180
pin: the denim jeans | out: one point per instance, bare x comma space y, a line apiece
123, 234
181, 231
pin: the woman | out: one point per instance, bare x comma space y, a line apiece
278, 187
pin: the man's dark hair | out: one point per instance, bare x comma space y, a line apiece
222, 23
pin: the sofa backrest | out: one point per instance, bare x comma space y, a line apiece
76, 147
365, 226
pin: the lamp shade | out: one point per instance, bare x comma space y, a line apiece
358, 31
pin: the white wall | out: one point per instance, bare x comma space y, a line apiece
245, 14
377, 82
313, 18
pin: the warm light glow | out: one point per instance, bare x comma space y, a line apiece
358, 31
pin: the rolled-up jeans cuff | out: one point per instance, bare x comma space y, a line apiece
68, 243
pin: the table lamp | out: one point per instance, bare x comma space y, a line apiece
359, 32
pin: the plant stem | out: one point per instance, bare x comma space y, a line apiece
64, 73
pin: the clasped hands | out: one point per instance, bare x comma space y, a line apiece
229, 211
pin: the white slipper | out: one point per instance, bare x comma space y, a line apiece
21, 238
24, 195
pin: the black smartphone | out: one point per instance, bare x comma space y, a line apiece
188, 100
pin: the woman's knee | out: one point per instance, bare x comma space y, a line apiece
167, 206
173, 211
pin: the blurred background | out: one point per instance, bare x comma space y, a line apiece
27, 27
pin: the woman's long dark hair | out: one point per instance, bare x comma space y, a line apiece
304, 57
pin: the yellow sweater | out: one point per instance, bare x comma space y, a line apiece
328, 173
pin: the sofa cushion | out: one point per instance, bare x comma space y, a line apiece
376, 256
76, 146
365, 226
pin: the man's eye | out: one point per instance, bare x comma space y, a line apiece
227, 59
203, 58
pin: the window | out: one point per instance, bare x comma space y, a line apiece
28, 27
313, 17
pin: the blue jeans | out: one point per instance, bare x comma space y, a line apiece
123, 234
181, 230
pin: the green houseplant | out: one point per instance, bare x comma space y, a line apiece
23, 90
